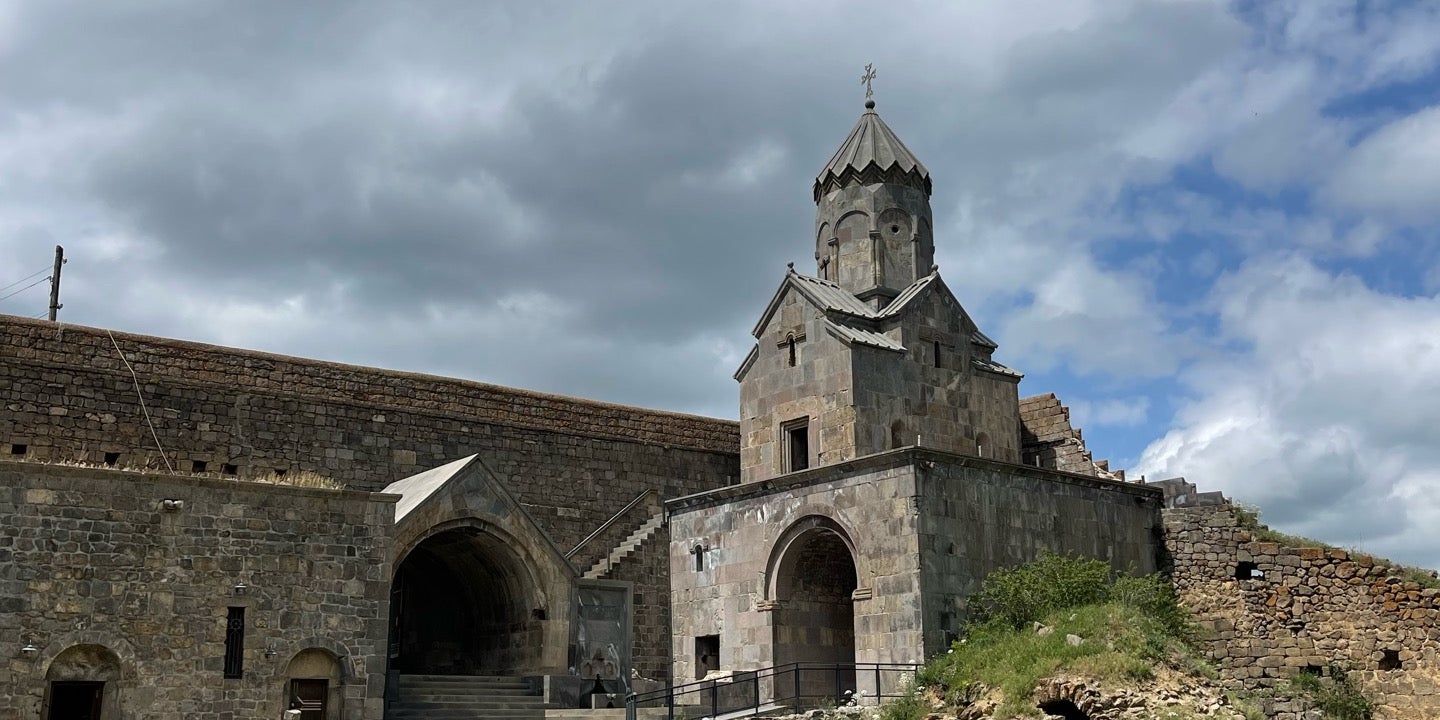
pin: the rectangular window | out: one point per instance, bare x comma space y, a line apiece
797, 444
707, 655
235, 643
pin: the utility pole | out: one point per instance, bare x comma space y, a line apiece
55, 282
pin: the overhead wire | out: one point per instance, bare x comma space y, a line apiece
27, 287
27, 277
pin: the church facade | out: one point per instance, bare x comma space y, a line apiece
881, 449
176, 543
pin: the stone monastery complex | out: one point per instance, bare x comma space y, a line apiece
338, 542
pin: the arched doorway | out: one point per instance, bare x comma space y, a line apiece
81, 684
463, 603
813, 577
312, 684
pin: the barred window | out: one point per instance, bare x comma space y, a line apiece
235, 643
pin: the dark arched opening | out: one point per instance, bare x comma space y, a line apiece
1063, 709
81, 684
462, 604
815, 619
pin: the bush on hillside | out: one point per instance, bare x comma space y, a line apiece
1028, 593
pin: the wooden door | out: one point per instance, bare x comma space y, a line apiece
308, 696
75, 700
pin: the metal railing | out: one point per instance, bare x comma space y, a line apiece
795, 686
606, 525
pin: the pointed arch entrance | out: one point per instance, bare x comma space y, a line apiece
463, 602
812, 578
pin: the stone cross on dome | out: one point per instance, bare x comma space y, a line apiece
865, 80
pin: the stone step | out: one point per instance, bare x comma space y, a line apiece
479, 702
627, 547
465, 697
497, 690
399, 713
478, 680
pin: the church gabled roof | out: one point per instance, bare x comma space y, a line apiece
829, 297
872, 154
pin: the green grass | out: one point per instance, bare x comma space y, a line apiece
1129, 627
1121, 644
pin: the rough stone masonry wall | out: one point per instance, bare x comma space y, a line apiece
1305, 609
91, 556
650, 628
66, 395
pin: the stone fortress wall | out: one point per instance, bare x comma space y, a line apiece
128, 577
1270, 612
66, 395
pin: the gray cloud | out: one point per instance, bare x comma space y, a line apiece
598, 200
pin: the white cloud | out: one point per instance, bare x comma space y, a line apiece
1395, 171
1093, 320
1322, 415
1117, 412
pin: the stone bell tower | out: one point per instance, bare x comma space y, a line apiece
874, 353
872, 218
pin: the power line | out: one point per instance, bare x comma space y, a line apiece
27, 277
27, 287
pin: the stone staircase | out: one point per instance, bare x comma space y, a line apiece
464, 697
627, 547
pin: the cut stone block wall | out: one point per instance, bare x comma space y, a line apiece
978, 516
1305, 609
92, 557
66, 395
923, 526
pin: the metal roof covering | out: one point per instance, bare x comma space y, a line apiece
863, 337
871, 154
914, 290
831, 296
994, 367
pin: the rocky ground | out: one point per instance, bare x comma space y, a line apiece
1171, 695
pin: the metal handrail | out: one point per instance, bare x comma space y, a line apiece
753, 678
606, 525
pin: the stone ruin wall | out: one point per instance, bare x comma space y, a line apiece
1304, 610
65, 395
92, 556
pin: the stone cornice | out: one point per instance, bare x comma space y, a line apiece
923, 459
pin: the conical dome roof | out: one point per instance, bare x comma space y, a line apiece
872, 154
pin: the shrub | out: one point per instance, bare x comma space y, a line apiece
1337, 696
1027, 593
1154, 596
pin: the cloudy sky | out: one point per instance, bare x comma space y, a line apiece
1210, 227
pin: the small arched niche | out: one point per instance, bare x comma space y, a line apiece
312, 684
983, 448
82, 683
